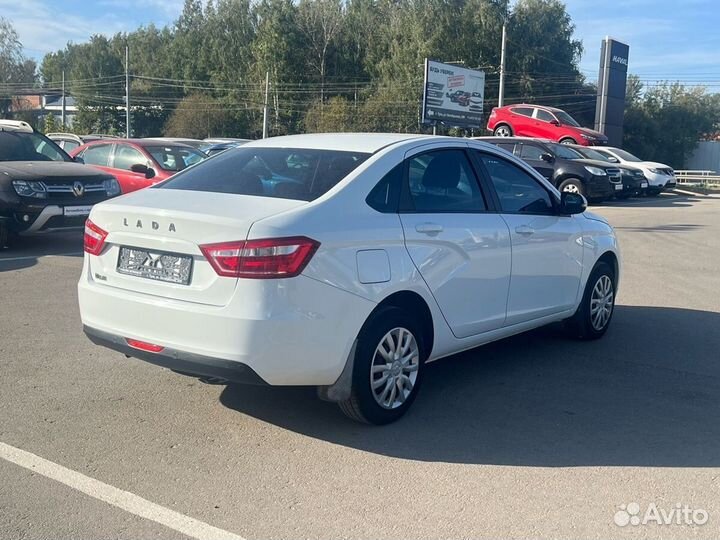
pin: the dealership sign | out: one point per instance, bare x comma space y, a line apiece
610, 109
453, 95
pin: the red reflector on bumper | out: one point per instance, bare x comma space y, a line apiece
149, 347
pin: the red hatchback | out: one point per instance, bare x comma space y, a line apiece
545, 122
138, 163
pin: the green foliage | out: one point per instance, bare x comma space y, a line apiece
664, 123
14, 67
51, 124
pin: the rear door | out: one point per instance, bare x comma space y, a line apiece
460, 247
547, 248
522, 122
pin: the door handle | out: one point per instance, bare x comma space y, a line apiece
524, 230
429, 228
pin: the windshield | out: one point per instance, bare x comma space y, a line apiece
625, 156
175, 158
23, 146
594, 154
565, 118
287, 173
564, 152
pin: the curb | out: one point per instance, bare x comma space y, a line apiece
694, 194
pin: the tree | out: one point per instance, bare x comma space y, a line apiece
336, 115
15, 69
50, 124
197, 116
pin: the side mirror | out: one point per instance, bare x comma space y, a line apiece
143, 169
78, 159
572, 203
554, 122
613, 160
548, 158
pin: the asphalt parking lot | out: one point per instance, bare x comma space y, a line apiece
534, 436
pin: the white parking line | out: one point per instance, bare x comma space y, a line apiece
116, 497
28, 257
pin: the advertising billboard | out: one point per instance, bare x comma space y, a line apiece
610, 109
453, 95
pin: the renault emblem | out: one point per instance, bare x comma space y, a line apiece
78, 189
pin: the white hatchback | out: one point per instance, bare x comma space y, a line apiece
342, 261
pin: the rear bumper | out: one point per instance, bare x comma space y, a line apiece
295, 331
186, 363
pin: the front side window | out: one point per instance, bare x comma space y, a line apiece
127, 156
563, 151
24, 146
174, 158
566, 119
287, 173
519, 193
530, 151
97, 154
442, 182
545, 116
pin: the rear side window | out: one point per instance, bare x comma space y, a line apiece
385, 196
286, 173
523, 111
98, 154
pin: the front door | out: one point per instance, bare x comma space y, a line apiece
547, 248
532, 155
461, 250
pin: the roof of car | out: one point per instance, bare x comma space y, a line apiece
349, 142
533, 105
15, 125
138, 142
513, 139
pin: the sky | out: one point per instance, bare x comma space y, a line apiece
669, 39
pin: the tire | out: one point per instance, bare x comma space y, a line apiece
364, 404
584, 324
573, 185
568, 140
503, 130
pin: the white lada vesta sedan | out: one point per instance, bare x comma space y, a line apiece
342, 261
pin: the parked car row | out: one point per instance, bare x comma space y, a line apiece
595, 172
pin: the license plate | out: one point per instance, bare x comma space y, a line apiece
71, 211
643, 184
618, 187
160, 266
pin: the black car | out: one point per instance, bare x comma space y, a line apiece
633, 179
565, 167
41, 188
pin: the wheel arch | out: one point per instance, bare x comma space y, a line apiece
413, 303
611, 259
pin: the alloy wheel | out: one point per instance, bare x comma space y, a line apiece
503, 131
601, 302
394, 368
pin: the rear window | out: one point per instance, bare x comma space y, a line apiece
23, 146
286, 173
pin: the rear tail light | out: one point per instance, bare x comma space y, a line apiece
261, 259
94, 238
144, 346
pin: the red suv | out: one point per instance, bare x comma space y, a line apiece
138, 163
545, 122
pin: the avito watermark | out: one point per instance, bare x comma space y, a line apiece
679, 514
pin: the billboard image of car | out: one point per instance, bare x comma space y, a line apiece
453, 95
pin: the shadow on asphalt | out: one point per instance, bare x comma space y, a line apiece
24, 252
647, 394
666, 200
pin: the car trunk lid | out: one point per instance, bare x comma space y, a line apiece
164, 228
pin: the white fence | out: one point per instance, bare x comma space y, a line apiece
695, 178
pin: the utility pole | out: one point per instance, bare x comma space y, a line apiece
265, 107
127, 91
62, 110
501, 90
